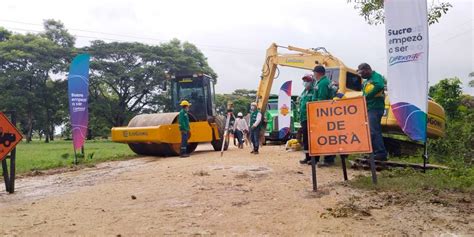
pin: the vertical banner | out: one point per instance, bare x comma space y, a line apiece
78, 92
284, 109
406, 27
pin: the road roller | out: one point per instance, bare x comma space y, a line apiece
158, 134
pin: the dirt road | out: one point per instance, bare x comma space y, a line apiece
239, 194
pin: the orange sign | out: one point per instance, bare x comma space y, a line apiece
9, 136
338, 127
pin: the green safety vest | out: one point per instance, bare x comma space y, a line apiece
375, 98
253, 118
183, 120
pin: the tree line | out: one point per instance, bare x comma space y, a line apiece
125, 78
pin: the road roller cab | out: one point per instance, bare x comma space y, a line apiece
158, 134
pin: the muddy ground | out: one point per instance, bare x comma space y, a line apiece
239, 194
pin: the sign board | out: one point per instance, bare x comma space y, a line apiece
338, 127
9, 136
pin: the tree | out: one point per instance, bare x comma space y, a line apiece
241, 99
373, 11
447, 92
25, 65
471, 82
126, 77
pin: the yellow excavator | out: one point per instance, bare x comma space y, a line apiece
349, 83
158, 134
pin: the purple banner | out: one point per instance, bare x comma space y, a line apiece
78, 92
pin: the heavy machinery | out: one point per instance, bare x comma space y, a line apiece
348, 82
158, 134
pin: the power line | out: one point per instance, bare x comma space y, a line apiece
207, 48
135, 37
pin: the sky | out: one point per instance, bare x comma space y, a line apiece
234, 35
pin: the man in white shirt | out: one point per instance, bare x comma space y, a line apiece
240, 127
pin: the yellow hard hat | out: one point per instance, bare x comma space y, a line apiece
185, 103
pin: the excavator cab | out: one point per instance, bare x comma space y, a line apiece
198, 89
353, 82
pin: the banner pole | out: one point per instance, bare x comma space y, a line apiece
75, 155
425, 147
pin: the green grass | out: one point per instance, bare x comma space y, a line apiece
38, 155
457, 179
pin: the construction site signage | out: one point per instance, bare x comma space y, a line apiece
9, 136
338, 127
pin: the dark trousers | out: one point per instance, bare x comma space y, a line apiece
239, 134
255, 137
304, 127
184, 142
375, 119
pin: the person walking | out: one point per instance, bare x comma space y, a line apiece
373, 90
183, 121
308, 95
240, 128
256, 124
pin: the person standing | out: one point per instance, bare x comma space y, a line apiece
373, 90
308, 95
256, 124
322, 93
240, 127
183, 120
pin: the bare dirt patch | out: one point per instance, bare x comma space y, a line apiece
239, 194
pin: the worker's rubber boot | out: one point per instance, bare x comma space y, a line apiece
305, 160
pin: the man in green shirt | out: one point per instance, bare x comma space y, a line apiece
322, 93
183, 121
373, 90
308, 95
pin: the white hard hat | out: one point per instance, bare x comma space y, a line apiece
240, 114
254, 103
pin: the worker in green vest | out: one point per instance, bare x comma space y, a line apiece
322, 88
373, 90
308, 95
183, 120
255, 125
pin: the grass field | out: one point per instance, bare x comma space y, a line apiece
38, 155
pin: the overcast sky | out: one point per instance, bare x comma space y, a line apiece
235, 34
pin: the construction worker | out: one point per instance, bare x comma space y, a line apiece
373, 90
183, 120
308, 95
322, 92
240, 127
256, 124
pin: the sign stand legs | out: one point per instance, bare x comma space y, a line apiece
344, 169
75, 156
10, 178
5, 175
313, 170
